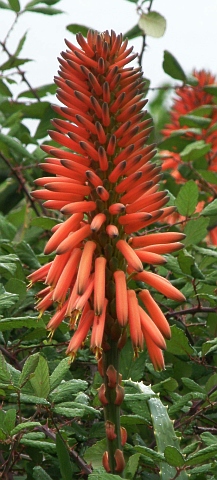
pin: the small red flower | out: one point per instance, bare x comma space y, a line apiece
106, 186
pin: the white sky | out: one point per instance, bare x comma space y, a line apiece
191, 34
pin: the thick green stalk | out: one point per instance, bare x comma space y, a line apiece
111, 409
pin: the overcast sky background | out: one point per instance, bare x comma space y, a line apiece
191, 34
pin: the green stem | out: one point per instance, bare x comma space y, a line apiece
112, 411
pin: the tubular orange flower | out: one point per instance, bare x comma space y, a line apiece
104, 182
121, 297
155, 313
85, 266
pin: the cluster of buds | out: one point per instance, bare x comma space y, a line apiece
106, 186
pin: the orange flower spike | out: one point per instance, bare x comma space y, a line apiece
134, 321
130, 256
70, 225
99, 285
85, 266
155, 353
79, 207
152, 330
80, 303
155, 312
57, 318
40, 274
121, 297
155, 238
103, 193
97, 222
163, 248
112, 231
98, 331
150, 257
73, 240
80, 334
44, 304
67, 276
57, 266
160, 284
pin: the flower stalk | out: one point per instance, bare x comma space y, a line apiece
106, 186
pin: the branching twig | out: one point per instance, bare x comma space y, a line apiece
20, 72
81, 463
21, 182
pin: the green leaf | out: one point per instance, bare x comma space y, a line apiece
14, 62
40, 474
15, 5
152, 24
195, 150
27, 255
195, 231
9, 420
131, 367
178, 344
66, 389
36, 2
45, 447
203, 455
44, 10
20, 322
28, 368
148, 452
59, 373
44, 222
5, 375
103, 475
20, 45
176, 142
40, 381
33, 399
75, 410
165, 437
208, 438
194, 121
93, 455
173, 456
78, 28
208, 176
24, 426
49, 89
4, 90
192, 385
4, 5
172, 67
202, 111
212, 89
14, 146
132, 466
64, 459
8, 263
187, 198
134, 32
207, 252
7, 300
